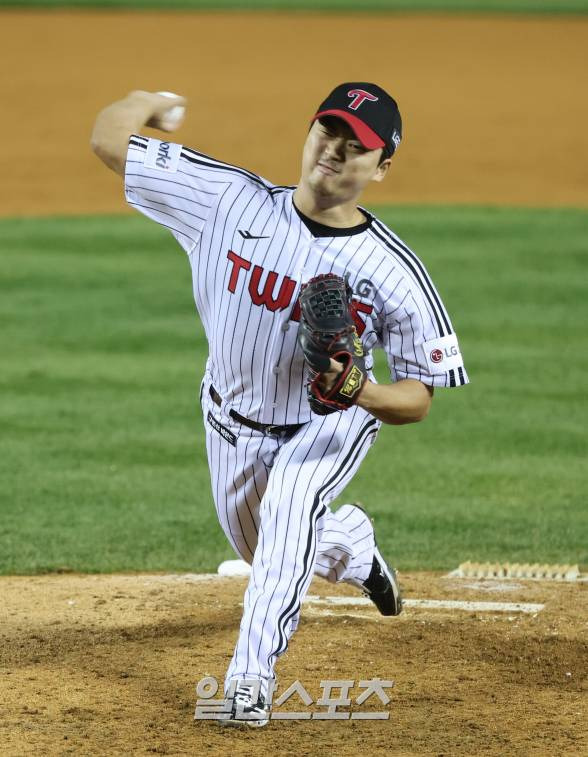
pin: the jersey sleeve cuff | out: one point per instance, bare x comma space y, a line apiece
453, 377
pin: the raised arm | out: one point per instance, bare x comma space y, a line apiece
115, 124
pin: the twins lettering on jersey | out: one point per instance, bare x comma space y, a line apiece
204, 202
286, 290
266, 297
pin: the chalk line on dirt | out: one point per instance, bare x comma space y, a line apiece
435, 604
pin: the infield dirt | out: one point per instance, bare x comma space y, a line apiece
107, 665
492, 106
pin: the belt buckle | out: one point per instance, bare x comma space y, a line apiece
271, 430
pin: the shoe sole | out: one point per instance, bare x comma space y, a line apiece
244, 723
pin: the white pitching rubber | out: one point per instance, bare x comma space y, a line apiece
234, 568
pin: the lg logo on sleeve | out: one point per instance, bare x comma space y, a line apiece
437, 356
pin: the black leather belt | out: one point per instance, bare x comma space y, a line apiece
265, 428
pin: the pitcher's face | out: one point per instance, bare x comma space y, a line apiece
335, 164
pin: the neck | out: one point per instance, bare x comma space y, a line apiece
324, 210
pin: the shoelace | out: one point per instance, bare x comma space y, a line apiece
244, 696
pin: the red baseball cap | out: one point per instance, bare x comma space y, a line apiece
370, 112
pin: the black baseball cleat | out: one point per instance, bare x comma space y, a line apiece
382, 587
245, 711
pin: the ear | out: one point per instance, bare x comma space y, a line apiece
382, 170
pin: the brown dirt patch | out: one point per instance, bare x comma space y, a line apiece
492, 107
108, 664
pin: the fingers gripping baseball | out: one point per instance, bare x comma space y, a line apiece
167, 110
331, 346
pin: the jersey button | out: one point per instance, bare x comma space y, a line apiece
276, 369
285, 326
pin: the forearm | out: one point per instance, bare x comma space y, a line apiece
112, 130
115, 124
406, 401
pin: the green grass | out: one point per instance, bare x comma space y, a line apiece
455, 6
102, 462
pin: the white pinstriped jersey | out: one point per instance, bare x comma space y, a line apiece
250, 250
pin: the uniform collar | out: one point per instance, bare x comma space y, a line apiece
322, 230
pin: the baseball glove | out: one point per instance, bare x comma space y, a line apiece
326, 331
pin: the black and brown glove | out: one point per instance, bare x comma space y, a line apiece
327, 331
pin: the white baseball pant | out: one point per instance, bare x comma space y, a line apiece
272, 495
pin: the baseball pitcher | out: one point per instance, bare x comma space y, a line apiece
295, 287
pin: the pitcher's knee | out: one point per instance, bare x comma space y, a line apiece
332, 567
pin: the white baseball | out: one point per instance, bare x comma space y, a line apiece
173, 117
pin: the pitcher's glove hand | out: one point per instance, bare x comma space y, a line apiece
326, 331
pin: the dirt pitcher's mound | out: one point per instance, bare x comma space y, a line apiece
108, 665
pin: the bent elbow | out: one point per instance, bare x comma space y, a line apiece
416, 416
423, 413
96, 146
405, 421
100, 148
420, 414
107, 155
